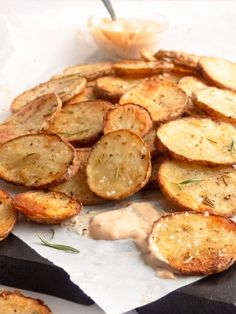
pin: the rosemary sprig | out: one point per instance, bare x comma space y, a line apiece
188, 181
212, 141
117, 173
61, 247
207, 201
75, 133
232, 147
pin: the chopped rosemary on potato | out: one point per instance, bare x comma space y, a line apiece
207, 201
188, 181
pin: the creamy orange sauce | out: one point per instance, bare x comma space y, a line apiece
126, 37
132, 222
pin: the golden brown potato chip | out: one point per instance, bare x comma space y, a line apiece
202, 141
34, 117
37, 160
90, 71
112, 88
179, 58
150, 140
147, 55
65, 88
14, 302
119, 165
164, 100
81, 123
141, 68
46, 207
219, 72
8, 214
191, 84
199, 188
87, 94
132, 117
77, 186
217, 103
194, 243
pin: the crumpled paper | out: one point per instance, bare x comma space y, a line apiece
38, 40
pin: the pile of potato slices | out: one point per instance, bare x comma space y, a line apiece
104, 131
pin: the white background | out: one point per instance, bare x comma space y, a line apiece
30, 29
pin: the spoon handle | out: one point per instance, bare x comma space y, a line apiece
110, 9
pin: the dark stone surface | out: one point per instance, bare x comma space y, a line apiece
23, 268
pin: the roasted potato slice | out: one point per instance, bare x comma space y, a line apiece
119, 165
141, 68
65, 87
191, 84
37, 160
46, 207
87, 94
172, 77
77, 186
112, 88
150, 140
164, 100
199, 188
34, 117
156, 163
8, 215
194, 243
14, 302
202, 141
220, 72
147, 55
90, 71
131, 117
186, 60
217, 103
81, 123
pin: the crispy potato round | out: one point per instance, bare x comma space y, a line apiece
202, 141
194, 187
191, 84
194, 243
87, 94
131, 117
150, 140
141, 68
46, 207
180, 58
37, 160
8, 214
34, 117
164, 100
77, 186
90, 71
217, 103
220, 72
112, 88
14, 302
81, 123
119, 165
65, 87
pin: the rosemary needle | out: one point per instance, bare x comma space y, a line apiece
61, 247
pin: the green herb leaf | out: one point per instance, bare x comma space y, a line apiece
232, 147
189, 181
207, 201
61, 247
117, 173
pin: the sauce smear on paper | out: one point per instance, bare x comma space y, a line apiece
132, 222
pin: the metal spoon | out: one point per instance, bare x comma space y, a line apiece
110, 9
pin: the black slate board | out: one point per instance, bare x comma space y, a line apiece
23, 268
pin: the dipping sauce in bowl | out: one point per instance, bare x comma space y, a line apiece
124, 38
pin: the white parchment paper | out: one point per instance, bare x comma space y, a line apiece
39, 39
